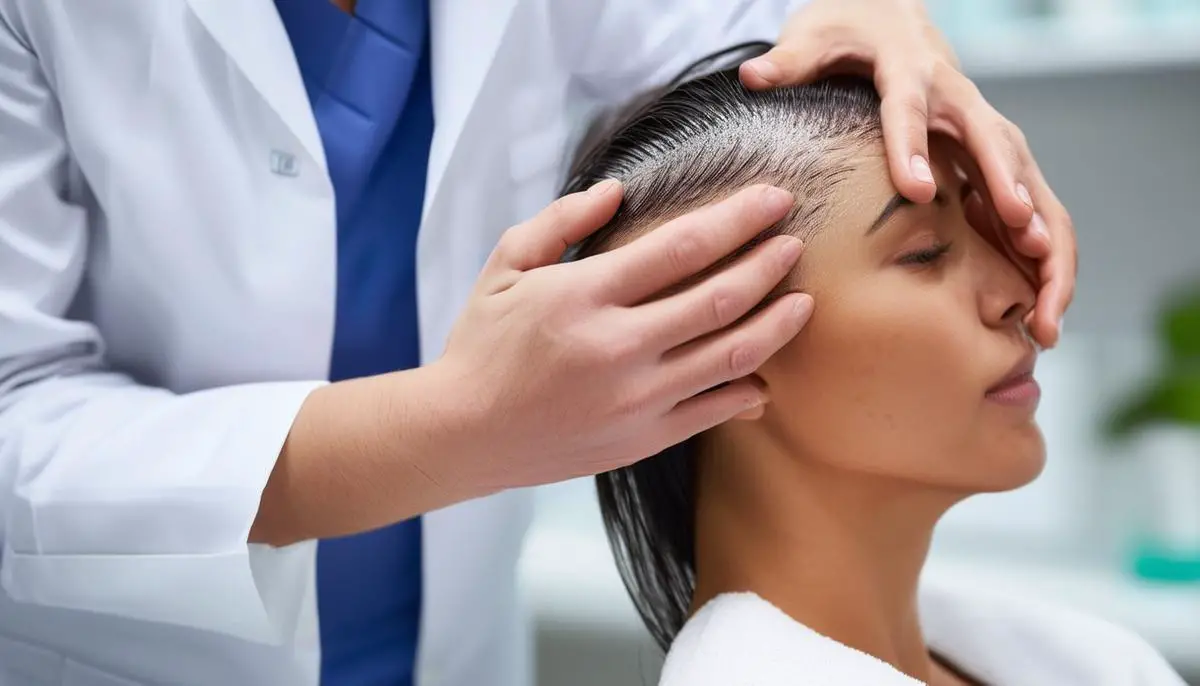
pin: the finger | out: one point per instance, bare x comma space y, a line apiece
721, 299
1054, 294
905, 114
740, 399
739, 351
1034, 238
783, 65
995, 144
541, 241
1053, 274
685, 246
1058, 274
980, 209
1054, 233
1045, 324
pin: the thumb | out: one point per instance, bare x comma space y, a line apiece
782, 65
541, 241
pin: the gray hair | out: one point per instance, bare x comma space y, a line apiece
697, 140
674, 150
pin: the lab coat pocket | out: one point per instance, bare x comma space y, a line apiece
22, 664
79, 674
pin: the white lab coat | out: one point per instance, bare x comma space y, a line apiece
741, 639
167, 256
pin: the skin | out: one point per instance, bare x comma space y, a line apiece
879, 421
925, 92
617, 377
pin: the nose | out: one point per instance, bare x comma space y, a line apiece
1005, 294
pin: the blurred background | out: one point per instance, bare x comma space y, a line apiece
1108, 93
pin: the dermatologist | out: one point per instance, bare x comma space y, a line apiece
259, 289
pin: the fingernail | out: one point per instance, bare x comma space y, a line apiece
1038, 225
603, 188
790, 251
1023, 194
920, 169
765, 68
776, 200
802, 309
1060, 327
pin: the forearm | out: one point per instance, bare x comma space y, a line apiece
368, 453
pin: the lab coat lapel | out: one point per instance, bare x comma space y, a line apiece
466, 35
253, 36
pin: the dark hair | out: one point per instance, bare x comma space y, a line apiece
673, 150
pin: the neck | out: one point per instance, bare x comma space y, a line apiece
840, 553
346, 6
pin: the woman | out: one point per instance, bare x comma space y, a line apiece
786, 548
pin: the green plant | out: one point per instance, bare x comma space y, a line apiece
1173, 395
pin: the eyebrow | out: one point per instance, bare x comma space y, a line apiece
898, 201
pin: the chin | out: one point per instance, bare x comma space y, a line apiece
1014, 462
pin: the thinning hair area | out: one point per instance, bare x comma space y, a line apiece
698, 140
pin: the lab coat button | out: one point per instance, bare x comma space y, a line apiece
284, 164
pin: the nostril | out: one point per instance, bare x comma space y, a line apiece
1013, 312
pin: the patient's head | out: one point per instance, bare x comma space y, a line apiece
896, 379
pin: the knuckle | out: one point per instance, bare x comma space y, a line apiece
685, 254
743, 359
556, 212
1017, 136
927, 70
723, 308
617, 348
915, 105
967, 89
945, 70
1067, 223
1005, 132
633, 402
505, 246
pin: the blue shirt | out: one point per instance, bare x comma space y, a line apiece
368, 80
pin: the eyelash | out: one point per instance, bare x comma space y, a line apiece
926, 257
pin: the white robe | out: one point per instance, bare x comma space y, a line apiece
742, 640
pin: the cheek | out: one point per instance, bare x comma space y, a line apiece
882, 380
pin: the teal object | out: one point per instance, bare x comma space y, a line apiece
1155, 562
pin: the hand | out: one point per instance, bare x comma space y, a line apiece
578, 368
917, 76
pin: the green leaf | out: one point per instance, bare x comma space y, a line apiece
1173, 399
1180, 325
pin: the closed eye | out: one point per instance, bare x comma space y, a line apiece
927, 256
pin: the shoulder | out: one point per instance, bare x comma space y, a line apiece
1009, 638
742, 639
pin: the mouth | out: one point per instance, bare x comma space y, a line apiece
1018, 387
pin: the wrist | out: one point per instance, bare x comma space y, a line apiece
439, 404
370, 452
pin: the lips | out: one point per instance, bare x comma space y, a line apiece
1017, 387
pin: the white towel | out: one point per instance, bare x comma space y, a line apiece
742, 640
